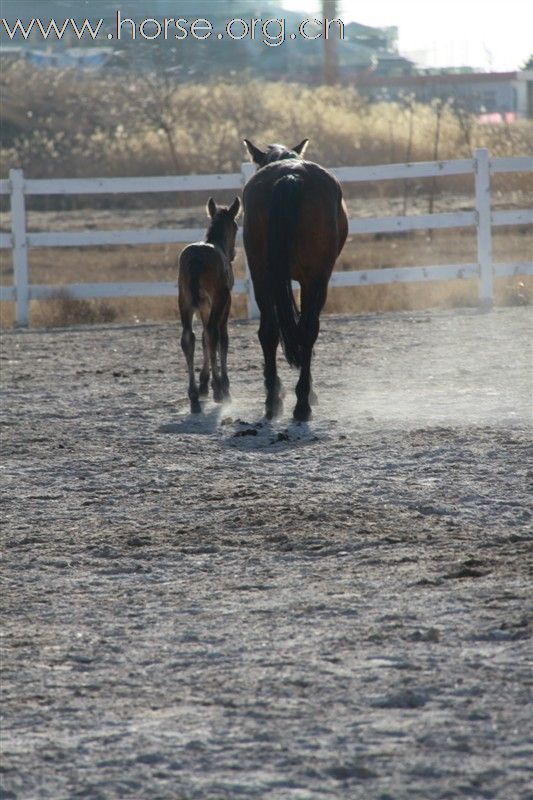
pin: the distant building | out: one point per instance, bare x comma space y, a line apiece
476, 92
71, 58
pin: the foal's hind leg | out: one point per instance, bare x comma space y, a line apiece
312, 301
224, 342
204, 374
212, 338
187, 345
269, 338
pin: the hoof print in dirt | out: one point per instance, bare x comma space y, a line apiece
471, 568
247, 429
344, 772
245, 432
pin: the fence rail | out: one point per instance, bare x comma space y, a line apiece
19, 240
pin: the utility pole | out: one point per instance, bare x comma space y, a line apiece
331, 56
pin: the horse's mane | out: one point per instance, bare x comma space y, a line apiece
217, 227
277, 152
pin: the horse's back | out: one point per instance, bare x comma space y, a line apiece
200, 253
321, 227
202, 270
315, 179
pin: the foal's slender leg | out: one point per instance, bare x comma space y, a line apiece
212, 338
269, 338
204, 374
313, 298
187, 345
224, 343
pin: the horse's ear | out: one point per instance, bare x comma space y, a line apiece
258, 156
235, 207
211, 208
301, 148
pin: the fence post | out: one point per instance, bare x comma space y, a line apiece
20, 246
247, 170
483, 224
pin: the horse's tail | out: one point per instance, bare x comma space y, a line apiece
195, 271
282, 220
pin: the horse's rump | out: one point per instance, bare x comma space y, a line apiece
201, 273
285, 202
295, 209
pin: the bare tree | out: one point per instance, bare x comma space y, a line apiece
408, 103
150, 90
439, 106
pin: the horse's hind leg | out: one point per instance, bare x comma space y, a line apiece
187, 345
212, 338
269, 338
224, 343
312, 301
204, 374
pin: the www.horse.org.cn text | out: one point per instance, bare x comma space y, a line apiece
271, 32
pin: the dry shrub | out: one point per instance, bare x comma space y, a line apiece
63, 310
58, 126
515, 292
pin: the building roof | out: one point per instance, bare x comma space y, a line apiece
371, 79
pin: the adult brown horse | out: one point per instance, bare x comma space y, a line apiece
295, 226
205, 281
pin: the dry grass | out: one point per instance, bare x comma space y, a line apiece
109, 126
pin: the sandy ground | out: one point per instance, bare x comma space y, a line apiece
220, 607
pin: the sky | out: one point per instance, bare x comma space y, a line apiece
489, 34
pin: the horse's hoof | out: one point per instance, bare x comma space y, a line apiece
196, 408
302, 412
203, 390
274, 409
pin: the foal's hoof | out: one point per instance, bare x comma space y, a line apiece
226, 395
302, 412
218, 390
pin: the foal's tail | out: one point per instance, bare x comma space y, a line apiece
283, 217
194, 268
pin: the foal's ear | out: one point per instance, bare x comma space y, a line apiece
235, 207
301, 148
211, 208
258, 156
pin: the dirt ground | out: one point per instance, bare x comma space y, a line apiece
220, 607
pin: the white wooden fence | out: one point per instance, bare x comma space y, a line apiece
19, 240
